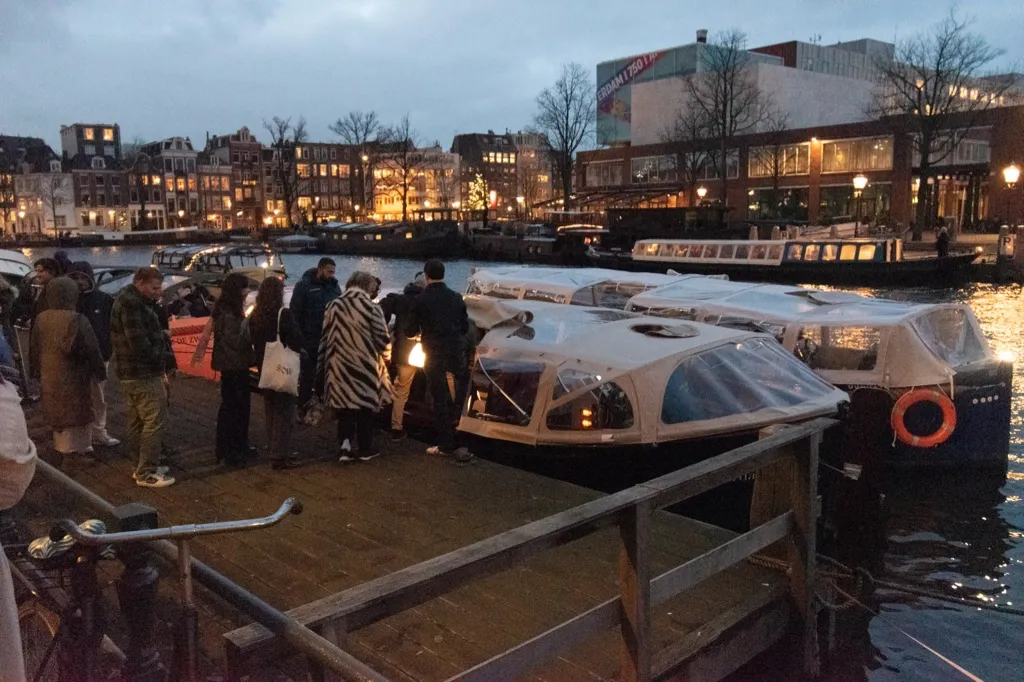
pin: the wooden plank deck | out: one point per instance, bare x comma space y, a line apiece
365, 520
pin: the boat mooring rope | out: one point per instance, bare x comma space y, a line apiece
862, 577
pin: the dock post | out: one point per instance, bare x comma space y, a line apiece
335, 632
802, 548
635, 591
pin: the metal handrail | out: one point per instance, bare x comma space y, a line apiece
184, 531
295, 634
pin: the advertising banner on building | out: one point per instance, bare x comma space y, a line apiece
615, 80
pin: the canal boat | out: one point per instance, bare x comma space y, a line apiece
532, 243
252, 260
423, 239
297, 243
864, 262
541, 377
14, 266
941, 393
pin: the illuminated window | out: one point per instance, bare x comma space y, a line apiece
156, 180
192, 183
88, 134
867, 252
181, 184
843, 156
238, 194
145, 180
303, 170
298, 152
170, 184
334, 169
225, 183
323, 170
206, 182
108, 134
812, 252
848, 252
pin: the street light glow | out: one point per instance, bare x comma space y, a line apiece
1011, 174
702, 191
860, 181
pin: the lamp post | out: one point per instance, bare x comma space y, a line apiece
365, 158
859, 183
702, 192
21, 220
1011, 174
520, 202
181, 215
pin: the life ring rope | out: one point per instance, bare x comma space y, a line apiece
920, 395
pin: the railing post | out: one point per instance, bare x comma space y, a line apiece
635, 592
335, 632
802, 547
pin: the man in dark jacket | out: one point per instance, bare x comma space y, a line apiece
439, 317
96, 306
141, 358
399, 307
29, 301
315, 290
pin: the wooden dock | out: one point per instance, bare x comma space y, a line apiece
376, 562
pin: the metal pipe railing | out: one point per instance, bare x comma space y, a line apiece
299, 637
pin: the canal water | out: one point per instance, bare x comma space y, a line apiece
955, 534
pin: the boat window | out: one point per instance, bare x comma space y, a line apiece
727, 251
838, 348
504, 390
604, 407
758, 252
948, 333
736, 379
812, 252
584, 296
541, 295
682, 250
652, 249
796, 252
742, 251
710, 251
848, 252
867, 252
674, 313
775, 252
829, 251
617, 294
570, 379
497, 291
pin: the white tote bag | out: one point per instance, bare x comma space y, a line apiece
280, 370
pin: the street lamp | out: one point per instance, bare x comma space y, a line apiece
1011, 174
860, 181
702, 192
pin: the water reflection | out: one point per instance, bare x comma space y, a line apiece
953, 534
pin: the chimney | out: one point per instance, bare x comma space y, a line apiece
702, 35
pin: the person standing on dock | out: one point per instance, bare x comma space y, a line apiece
315, 290
399, 306
30, 299
66, 359
439, 317
351, 365
942, 242
268, 320
232, 357
96, 305
142, 358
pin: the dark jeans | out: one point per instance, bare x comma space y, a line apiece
307, 376
441, 362
233, 417
357, 425
279, 415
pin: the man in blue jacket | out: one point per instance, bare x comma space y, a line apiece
315, 290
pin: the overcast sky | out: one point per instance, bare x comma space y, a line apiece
187, 67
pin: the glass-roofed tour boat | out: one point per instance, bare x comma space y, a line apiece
923, 376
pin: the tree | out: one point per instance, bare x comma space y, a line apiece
361, 130
688, 136
479, 196
404, 162
566, 115
772, 156
724, 90
52, 187
529, 186
446, 181
284, 169
935, 90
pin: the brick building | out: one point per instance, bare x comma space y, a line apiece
243, 153
92, 153
215, 194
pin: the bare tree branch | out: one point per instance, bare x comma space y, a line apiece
401, 163
688, 136
566, 116
52, 188
773, 155
284, 167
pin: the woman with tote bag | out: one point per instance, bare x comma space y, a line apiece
277, 341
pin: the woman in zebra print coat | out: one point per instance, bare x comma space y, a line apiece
351, 368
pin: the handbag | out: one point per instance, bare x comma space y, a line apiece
280, 370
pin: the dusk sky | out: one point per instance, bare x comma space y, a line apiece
187, 67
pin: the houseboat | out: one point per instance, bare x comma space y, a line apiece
940, 393
255, 261
875, 262
421, 239
536, 243
297, 243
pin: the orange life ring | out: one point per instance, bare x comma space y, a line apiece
919, 395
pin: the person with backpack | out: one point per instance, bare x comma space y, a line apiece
270, 321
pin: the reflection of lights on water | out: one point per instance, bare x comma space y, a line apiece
1005, 355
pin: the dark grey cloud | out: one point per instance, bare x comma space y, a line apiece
185, 67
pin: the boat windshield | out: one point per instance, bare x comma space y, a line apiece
738, 378
949, 334
505, 390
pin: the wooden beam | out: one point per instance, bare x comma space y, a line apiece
509, 665
683, 484
802, 547
676, 580
635, 593
369, 602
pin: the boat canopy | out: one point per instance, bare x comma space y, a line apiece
252, 260
541, 378
581, 286
14, 265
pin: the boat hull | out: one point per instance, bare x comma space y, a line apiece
912, 272
448, 245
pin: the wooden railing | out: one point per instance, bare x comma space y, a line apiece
631, 510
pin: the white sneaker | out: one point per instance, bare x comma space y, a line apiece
154, 481
346, 446
436, 451
106, 440
161, 470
